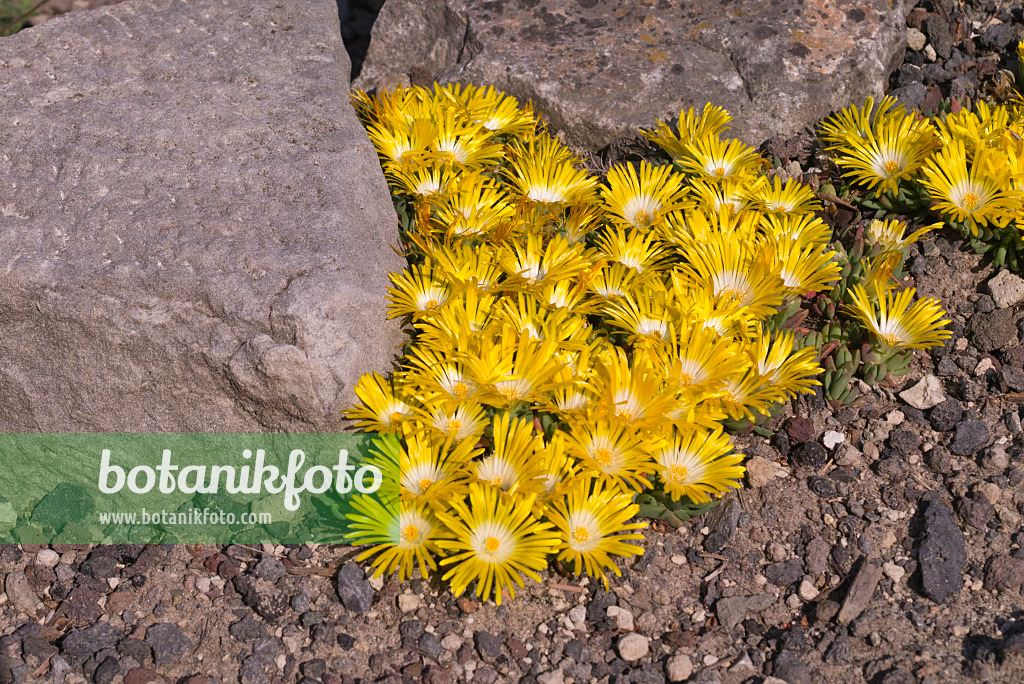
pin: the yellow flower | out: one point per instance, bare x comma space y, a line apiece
638, 250
612, 450
897, 323
712, 121
431, 471
494, 543
514, 369
380, 409
696, 463
417, 291
631, 392
893, 152
715, 159
513, 466
857, 123
592, 522
544, 172
404, 535
977, 195
891, 234
457, 421
792, 198
476, 208
463, 142
641, 200
805, 267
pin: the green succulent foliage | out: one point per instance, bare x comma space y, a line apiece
657, 505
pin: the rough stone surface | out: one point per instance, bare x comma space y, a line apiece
82, 643
1004, 574
633, 646
354, 589
924, 394
598, 69
678, 668
733, 610
1007, 289
943, 553
994, 330
721, 522
167, 642
199, 231
970, 436
859, 595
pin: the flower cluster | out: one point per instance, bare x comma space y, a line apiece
575, 342
966, 165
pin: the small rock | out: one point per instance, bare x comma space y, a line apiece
984, 366
47, 558
1013, 377
994, 330
893, 572
929, 54
996, 37
82, 643
1004, 574
167, 642
735, 609
946, 415
18, 590
247, 629
971, 435
911, 95
816, 556
859, 595
800, 429
408, 603
761, 471
810, 455
721, 522
807, 591
678, 668
487, 645
622, 618
354, 589
552, 677
785, 573
925, 394
915, 39
633, 646
989, 491
831, 439
270, 569
141, 675
826, 610
1006, 288
943, 553
939, 36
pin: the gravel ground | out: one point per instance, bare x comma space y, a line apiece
881, 542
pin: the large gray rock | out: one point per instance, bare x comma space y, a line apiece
194, 227
598, 69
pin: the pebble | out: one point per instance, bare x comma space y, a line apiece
270, 569
621, 617
678, 668
989, 491
807, 590
893, 572
761, 471
47, 558
1006, 288
167, 642
452, 642
354, 590
832, 439
970, 436
633, 646
408, 603
925, 394
984, 366
943, 552
915, 39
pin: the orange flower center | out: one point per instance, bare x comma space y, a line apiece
678, 473
425, 484
461, 390
454, 425
411, 533
492, 544
430, 305
970, 201
603, 456
891, 167
581, 534
642, 218
396, 417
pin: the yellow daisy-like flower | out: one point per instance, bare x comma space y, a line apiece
980, 195
716, 159
805, 267
380, 409
592, 521
457, 420
404, 535
544, 172
893, 152
513, 466
897, 323
857, 123
793, 197
697, 464
614, 451
640, 199
711, 122
891, 234
431, 471
637, 250
494, 543
417, 291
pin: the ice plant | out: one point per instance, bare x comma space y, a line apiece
578, 345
